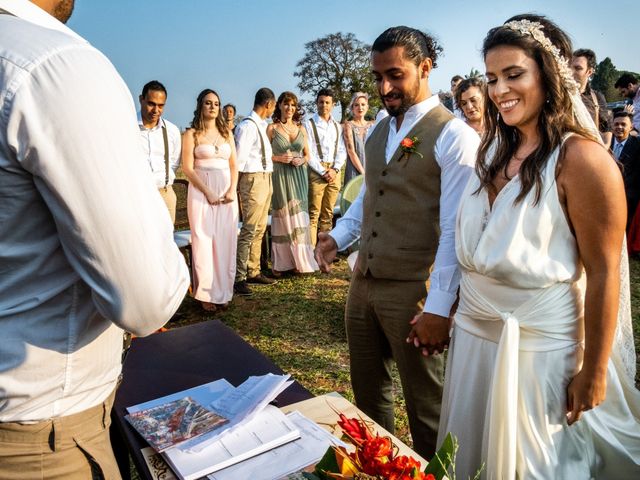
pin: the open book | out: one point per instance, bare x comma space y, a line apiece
245, 425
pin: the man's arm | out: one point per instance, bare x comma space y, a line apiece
245, 136
176, 148
112, 224
341, 154
455, 151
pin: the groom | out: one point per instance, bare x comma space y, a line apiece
405, 219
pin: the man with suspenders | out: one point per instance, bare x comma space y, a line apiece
327, 155
160, 142
254, 190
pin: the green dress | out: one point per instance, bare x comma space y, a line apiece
291, 238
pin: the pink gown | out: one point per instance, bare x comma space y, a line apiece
214, 228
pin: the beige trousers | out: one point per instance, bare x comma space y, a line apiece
322, 199
169, 197
75, 447
254, 194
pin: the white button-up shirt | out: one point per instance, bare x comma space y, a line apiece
455, 151
327, 132
86, 243
249, 148
152, 141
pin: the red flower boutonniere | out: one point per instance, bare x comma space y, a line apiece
409, 145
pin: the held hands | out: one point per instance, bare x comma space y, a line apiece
326, 250
430, 332
585, 391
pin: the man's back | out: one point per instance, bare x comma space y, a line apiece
86, 245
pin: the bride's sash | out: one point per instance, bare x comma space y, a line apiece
546, 319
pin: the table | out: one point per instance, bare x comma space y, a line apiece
178, 359
319, 409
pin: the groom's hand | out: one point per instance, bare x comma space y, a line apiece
326, 250
429, 332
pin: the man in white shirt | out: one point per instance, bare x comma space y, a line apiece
418, 162
254, 190
160, 142
327, 155
87, 246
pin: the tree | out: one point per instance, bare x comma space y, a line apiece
340, 62
604, 79
474, 72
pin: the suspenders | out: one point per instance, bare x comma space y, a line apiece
264, 156
165, 137
316, 137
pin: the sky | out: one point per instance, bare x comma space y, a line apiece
239, 46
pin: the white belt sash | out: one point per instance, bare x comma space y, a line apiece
547, 320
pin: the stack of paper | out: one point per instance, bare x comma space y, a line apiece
237, 424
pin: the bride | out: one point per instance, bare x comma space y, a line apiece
533, 388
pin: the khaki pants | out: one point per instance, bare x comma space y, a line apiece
254, 193
322, 199
66, 448
377, 321
169, 197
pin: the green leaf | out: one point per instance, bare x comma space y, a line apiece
327, 463
310, 476
443, 458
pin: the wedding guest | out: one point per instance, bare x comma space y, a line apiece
209, 162
254, 190
355, 132
291, 249
470, 97
533, 387
404, 216
160, 142
626, 149
327, 155
87, 247
229, 112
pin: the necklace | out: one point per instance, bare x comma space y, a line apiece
215, 140
289, 132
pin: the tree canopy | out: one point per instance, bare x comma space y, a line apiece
338, 61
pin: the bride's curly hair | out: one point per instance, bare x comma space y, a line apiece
555, 120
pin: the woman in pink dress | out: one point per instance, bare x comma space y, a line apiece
209, 162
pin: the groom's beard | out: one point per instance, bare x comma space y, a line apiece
407, 99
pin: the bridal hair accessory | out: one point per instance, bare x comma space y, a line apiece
535, 29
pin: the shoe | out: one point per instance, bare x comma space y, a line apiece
242, 289
208, 307
262, 280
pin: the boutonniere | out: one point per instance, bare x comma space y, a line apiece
409, 145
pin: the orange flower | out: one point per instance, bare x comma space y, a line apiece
407, 143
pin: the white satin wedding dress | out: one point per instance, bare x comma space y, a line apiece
518, 341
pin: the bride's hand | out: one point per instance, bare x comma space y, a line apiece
585, 391
212, 198
228, 197
429, 332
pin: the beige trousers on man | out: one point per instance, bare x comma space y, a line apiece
322, 199
254, 194
169, 197
75, 447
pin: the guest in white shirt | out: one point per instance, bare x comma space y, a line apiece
87, 246
255, 166
327, 155
160, 141
418, 162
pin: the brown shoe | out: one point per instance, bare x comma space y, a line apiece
208, 307
261, 279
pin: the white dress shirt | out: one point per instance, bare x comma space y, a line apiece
455, 152
248, 146
327, 132
86, 243
152, 141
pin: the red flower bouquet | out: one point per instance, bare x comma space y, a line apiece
376, 457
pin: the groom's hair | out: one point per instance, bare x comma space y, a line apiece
417, 45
